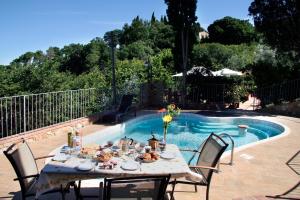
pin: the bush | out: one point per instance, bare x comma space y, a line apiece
215, 56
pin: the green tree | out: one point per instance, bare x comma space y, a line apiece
73, 57
97, 54
279, 21
271, 67
162, 67
138, 50
182, 17
216, 56
138, 30
161, 36
230, 30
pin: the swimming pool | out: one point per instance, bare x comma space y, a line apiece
189, 130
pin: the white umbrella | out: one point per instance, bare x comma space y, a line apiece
227, 72
200, 69
177, 75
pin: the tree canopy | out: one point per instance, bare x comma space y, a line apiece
88, 65
182, 17
230, 30
279, 21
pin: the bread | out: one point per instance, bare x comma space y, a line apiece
104, 157
147, 156
150, 156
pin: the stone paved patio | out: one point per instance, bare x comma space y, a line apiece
265, 174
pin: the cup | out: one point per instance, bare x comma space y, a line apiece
162, 146
147, 149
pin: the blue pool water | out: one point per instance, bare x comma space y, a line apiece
190, 130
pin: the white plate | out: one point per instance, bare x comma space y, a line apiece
168, 155
61, 157
87, 166
130, 165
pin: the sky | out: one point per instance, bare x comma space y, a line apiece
31, 25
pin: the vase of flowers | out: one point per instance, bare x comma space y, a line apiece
166, 120
168, 116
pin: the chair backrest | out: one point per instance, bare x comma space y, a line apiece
210, 154
126, 102
153, 187
23, 162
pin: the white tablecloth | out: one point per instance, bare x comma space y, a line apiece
56, 173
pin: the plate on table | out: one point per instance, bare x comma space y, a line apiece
168, 155
61, 157
130, 165
86, 166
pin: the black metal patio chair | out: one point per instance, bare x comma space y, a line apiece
124, 108
25, 166
210, 152
148, 187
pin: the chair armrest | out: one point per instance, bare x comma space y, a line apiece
24, 177
203, 167
42, 157
190, 150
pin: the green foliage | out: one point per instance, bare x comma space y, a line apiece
230, 30
161, 36
279, 21
138, 30
138, 50
77, 66
113, 38
97, 54
142, 39
215, 56
162, 67
272, 67
73, 59
182, 17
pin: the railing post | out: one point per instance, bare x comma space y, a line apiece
24, 112
71, 103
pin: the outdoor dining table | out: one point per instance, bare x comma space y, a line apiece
54, 174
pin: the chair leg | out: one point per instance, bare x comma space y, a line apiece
173, 188
77, 190
62, 191
196, 189
207, 192
101, 188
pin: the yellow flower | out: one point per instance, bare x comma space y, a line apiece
167, 118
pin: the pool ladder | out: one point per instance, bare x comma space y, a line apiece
232, 150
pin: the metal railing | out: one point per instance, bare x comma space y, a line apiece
286, 91
232, 150
204, 93
23, 113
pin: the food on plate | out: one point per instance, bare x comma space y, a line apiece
154, 156
150, 156
146, 156
104, 158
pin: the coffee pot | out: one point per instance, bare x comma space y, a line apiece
124, 143
153, 142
